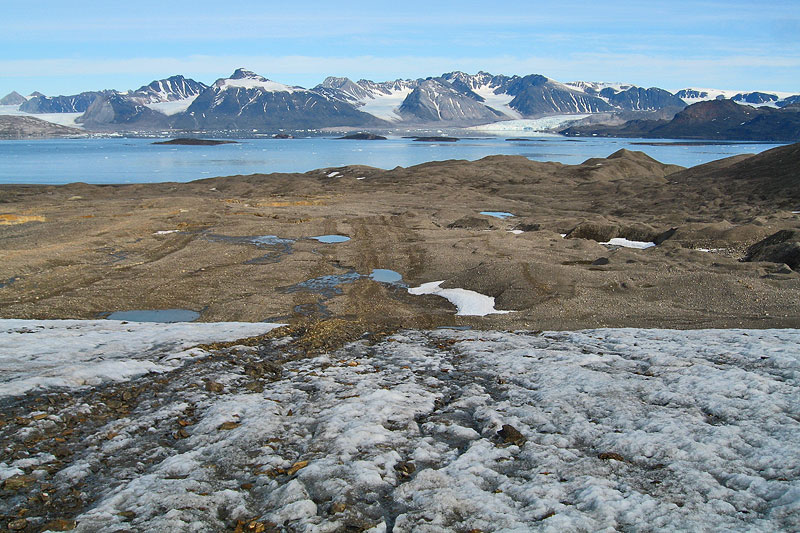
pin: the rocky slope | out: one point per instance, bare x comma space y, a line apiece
13, 98
717, 119
21, 127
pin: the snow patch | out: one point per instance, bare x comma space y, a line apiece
468, 303
41, 354
625, 243
174, 107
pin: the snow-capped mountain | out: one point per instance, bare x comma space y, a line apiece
168, 90
249, 101
77, 103
436, 100
381, 100
115, 110
692, 95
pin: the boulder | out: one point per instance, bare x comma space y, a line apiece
780, 247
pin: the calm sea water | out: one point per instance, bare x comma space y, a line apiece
121, 160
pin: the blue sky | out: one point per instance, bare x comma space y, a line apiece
61, 47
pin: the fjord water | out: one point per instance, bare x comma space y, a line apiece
137, 160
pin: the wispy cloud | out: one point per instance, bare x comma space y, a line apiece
641, 69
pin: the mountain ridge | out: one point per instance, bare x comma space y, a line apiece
247, 101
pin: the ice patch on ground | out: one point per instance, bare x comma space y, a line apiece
618, 430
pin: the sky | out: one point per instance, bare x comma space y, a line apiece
58, 47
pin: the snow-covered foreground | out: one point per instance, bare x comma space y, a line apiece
73, 353
443, 430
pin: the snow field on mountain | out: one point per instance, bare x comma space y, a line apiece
618, 429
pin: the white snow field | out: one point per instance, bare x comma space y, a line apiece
619, 430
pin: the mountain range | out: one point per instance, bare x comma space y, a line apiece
246, 101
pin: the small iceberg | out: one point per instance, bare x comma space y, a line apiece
497, 214
468, 303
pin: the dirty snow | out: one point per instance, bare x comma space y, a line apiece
42, 354
622, 429
625, 243
468, 303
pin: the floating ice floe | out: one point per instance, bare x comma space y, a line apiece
468, 303
625, 243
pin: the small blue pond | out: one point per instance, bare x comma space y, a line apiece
331, 239
497, 214
385, 276
155, 315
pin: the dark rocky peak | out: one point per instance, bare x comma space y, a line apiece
13, 98
691, 94
714, 109
242, 73
334, 82
517, 85
641, 99
789, 101
755, 98
169, 89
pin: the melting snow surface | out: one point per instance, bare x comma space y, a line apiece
468, 303
37, 354
620, 430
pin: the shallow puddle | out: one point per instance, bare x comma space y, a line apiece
155, 315
278, 246
385, 275
497, 214
331, 239
327, 286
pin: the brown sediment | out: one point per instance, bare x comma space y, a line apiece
166, 245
